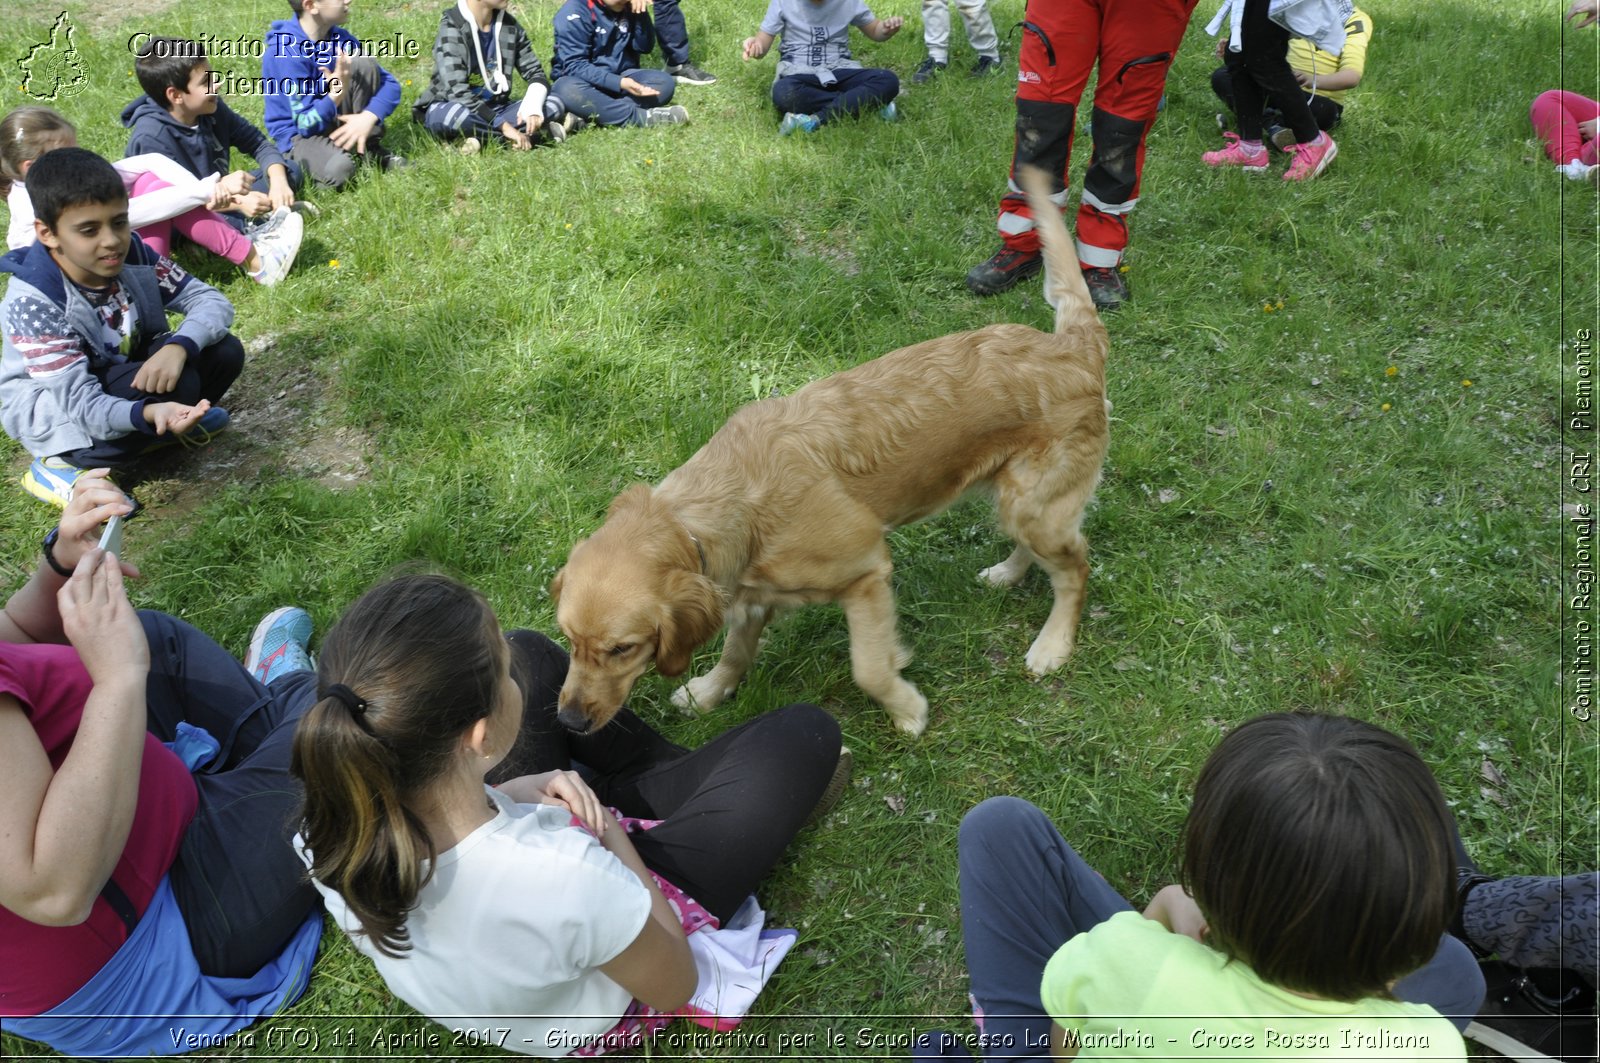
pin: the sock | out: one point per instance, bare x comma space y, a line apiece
1252, 147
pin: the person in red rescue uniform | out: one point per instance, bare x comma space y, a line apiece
1134, 43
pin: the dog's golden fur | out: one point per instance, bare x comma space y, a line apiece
789, 502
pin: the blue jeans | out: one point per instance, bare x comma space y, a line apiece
854, 92
1024, 892
242, 890
604, 107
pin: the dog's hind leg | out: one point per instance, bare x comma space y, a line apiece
1041, 504
875, 650
706, 692
1009, 572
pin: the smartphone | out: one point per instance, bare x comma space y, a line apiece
111, 538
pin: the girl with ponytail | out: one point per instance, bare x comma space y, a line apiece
452, 839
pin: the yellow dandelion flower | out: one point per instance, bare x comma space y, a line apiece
1385, 407
569, 225
1267, 308
649, 162
333, 263
1391, 371
1280, 304
1122, 269
1466, 383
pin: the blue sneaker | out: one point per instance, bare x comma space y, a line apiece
206, 428
806, 123
889, 114
50, 480
279, 645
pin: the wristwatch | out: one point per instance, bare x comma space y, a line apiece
50, 553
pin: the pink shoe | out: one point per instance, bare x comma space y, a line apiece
1236, 154
1311, 159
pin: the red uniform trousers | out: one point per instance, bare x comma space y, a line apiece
1134, 42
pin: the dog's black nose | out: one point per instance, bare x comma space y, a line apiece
574, 721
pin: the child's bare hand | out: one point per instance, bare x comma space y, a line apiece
634, 88
253, 203
752, 48
564, 789
174, 417
354, 131
1590, 9
639, 7
159, 374
892, 24
1587, 130
519, 140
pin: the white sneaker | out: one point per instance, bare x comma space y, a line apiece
277, 250
1578, 171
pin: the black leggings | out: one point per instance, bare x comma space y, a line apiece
1326, 112
1260, 71
730, 807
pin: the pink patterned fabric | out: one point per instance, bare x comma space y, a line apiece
641, 1020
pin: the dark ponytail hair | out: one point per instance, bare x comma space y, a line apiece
404, 673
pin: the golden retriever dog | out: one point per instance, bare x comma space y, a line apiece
788, 504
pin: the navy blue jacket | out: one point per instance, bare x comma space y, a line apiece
202, 148
599, 46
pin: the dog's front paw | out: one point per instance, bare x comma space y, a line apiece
700, 695
909, 711
1045, 657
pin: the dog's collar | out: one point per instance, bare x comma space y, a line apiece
704, 568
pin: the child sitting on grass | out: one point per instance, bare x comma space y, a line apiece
163, 198
326, 102
1318, 882
469, 95
817, 78
527, 900
596, 64
90, 374
1324, 78
182, 118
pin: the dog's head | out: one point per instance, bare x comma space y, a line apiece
631, 595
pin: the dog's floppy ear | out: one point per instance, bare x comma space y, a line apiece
555, 584
692, 613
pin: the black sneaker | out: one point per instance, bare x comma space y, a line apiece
1282, 137
926, 69
1005, 270
689, 74
1536, 1014
837, 784
986, 65
1108, 289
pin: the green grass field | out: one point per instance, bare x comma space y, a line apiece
1336, 478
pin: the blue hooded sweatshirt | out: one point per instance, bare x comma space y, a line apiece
202, 148
296, 70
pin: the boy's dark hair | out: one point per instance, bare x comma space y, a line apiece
167, 63
1320, 851
67, 177
297, 7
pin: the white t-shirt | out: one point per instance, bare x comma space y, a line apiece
510, 932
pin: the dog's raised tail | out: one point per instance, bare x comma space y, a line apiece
1064, 288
